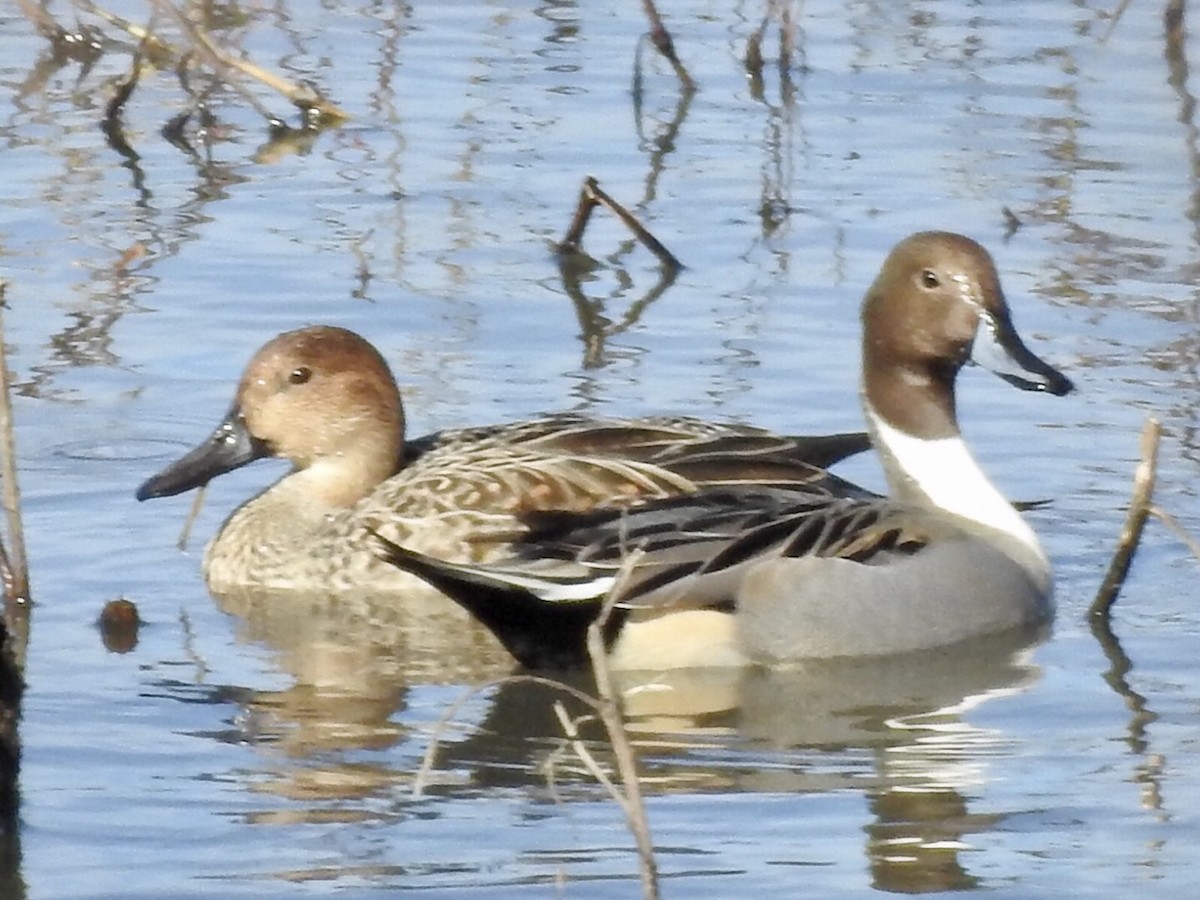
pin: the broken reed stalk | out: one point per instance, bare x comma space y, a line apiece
661, 38
573, 240
302, 96
158, 51
591, 196
570, 728
607, 708
435, 741
612, 716
1135, 522
1174, 525
316, 108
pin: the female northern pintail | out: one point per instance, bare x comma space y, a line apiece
324, 399
754, 575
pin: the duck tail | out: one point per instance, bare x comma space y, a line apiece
540, 618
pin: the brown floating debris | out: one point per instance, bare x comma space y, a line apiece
119, 622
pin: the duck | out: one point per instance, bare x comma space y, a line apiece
323, 398
754, 575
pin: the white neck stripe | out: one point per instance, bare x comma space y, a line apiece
944, 471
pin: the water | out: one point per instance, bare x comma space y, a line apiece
270, 750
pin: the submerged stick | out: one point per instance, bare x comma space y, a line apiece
1135, 522
590, 196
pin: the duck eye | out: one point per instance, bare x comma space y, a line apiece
300, 375
929, 279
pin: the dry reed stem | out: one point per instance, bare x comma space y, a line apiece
1135, 522
1114, 18
607, 708
185, 533
160, 51
156, 49
17, 605
302, 96
571, 730
19, 567
427, 761
590, 196
1174, 525
632, 804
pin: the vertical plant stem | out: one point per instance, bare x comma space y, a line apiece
1139, 511
611, 715
583, 212
19, 571
14, 635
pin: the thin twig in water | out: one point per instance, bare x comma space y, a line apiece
606, 707
571, 730
592, 195
1180, 532
1139, 511
185, 533
632, 804
144, 36
302, 96
1114, 18
435, 740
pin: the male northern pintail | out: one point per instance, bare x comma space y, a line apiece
324, 399
754, 575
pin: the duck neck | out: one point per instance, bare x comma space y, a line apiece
340, 481
941, 474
